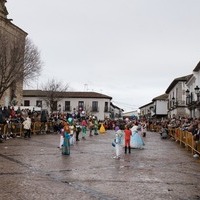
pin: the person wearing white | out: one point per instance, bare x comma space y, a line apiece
27, 127
136, 140
118, 142
61, 138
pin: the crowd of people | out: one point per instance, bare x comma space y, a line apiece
131, 131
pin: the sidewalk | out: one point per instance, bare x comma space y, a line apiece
35, 170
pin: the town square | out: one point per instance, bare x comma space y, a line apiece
99, 100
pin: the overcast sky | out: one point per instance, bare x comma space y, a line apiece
130, 50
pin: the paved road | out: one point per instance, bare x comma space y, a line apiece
35, 170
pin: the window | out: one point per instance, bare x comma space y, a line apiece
55, 105
67, 106
106, 107
81, 105
26, 103
39, 103
95, 106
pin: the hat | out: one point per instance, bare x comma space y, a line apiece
116, 128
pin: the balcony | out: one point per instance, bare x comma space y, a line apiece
176, 103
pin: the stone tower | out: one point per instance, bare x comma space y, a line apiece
11, 31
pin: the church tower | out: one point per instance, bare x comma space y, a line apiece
14, 94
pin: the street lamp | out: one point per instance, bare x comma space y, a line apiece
173, 101
187, 92
187, 97
196, 89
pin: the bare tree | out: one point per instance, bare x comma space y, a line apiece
53, 93
19, 62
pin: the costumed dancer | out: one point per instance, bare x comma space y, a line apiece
144, 129
136, 140
96, 126
90, 126
61, 137
78, 130
118, 142
66, 140
84, 128
127, 138
102, 129
72, 129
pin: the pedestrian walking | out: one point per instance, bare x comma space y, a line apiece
127, 138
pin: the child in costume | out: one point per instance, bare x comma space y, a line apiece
96, 126
84, 128
66, 140
118, 142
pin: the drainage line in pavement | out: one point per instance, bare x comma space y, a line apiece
90, 191
15, 161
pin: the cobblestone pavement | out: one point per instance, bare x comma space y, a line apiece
34, 169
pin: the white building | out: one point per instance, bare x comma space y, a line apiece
131, 114
145, 110
84, 103
177, 97
156, 109
115, 112
192, 93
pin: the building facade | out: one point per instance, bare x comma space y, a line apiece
82, 103
193, 93
177, 97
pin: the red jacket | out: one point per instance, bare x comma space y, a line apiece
128, 134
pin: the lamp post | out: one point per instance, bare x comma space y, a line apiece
173, 101
187, 97
196, 89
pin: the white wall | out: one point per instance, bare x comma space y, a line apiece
101, 115
161, 107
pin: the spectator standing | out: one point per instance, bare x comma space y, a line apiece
27, 127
